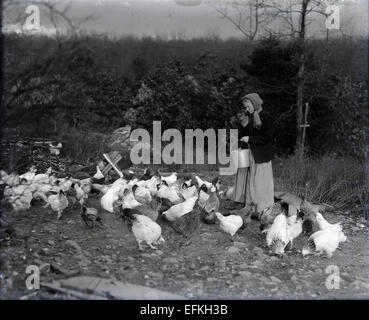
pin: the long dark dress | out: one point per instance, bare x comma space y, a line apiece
254, 185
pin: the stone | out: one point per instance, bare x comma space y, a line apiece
233, 250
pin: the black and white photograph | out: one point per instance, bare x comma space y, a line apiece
184, 150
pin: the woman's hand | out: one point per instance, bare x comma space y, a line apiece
245, 139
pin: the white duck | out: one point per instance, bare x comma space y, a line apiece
229, 224
324, 241
144, 229
178, 210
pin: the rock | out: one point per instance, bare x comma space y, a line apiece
239, 244
51, 243
233, 250
245, 274
192, 266
159, 252
243, 265
171, 260
275, 279
54, 268
73, 244
145, 255
156, 274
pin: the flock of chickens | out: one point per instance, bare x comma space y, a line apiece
181, 202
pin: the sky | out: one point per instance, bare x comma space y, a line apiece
174, 18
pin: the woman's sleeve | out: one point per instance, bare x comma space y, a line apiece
263, 136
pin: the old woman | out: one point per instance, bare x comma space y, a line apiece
254, 186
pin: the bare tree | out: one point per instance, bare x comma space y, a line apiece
247, 16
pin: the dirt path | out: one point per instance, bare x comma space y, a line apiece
206, 266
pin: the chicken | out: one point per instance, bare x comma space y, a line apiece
9, 179
230, 224
100, 187
143, 228
90, 215
57, 202
178, 210
227, 193
111, 195
81, 194
294, 226
203, 198
188, 192
171, 193
202, 183
170, 179
267, 216
129, 201
277, 236
29, 175
151, 209
98, 174
324, 241
19, 197
141, 194
211, 206
324, 224
151, 184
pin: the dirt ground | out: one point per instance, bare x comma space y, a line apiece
206, 266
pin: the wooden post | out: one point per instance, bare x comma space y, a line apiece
304, 126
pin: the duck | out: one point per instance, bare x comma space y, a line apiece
178, 210
170, 179
90, 214
323, 241
58, 202
142, 194
277, 236
229, 224
144, 229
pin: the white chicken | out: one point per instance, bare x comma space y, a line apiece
29, 175
150, 184
229, 224
170, 179
57, 202
101, 187
111, 195
324, 241
144, 229
142, 194
294, 226
129, 201
277, 236
98, 174
188, 192
324, 224
201, 183
171, 193
178, 210
9, 179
